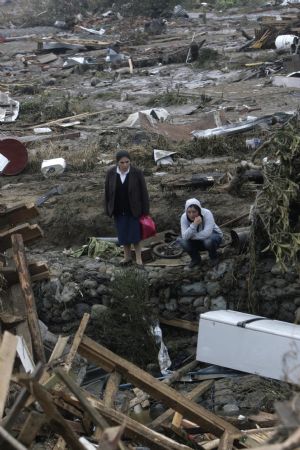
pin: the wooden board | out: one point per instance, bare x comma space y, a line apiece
37, 270
8, 350
179, 323
103, 357
18, 214
29, 233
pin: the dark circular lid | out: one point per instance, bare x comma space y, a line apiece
17, 155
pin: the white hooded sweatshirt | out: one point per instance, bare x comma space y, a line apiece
206, 228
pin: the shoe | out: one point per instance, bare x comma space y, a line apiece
194, 263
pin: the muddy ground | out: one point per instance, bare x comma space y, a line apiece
47, 92
161, 78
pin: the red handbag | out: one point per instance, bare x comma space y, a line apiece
148, 227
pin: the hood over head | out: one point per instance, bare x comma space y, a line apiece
192, 201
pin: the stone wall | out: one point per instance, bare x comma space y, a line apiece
83, 285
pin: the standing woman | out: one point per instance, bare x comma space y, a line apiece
126, 199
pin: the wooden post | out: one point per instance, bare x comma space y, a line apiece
25, 282
13, 443
8, 350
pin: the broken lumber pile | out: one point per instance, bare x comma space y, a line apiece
79, 420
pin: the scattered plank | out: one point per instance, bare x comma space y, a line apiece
29, 233
37, 270
18, 214
111, 389
133, 429
76, 342
8, 350
193, 395
7, 437
31, 427
56, 420
180, 323
24, 277
160, 391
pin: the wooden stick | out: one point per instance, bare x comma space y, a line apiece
11, 440
25, 282
20, 401
77, 116
76, 342
59, 348
193, 395
56, 420
31, 427
105, 358
111, 389
8, 350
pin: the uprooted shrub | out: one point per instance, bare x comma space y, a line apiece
126, 327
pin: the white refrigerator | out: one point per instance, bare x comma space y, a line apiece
249, 343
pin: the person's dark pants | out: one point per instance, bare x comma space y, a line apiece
194, 246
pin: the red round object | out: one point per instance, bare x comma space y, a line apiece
17, 155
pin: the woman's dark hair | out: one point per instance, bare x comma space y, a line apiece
122, 154
197, 208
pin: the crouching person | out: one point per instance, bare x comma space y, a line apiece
199, 232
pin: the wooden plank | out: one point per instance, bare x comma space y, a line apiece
207, 420
77, 339
59, 348
8, 350
56, 420
226, 441
60, 444
31, 427
133, 429
38, 271
21, 264
20, 401
51, 137
29, 233
18, 214
7, 437
180, 323
111, 389
193, 395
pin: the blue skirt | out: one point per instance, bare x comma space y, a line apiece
128, 229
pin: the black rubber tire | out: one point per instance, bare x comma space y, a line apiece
165, 251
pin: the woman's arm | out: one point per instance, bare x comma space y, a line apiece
187, 230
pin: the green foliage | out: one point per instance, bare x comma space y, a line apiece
281, 189
127, 327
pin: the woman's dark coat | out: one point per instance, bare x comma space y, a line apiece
137, 192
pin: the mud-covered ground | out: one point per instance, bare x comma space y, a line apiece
47, 92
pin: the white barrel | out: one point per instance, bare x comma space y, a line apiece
285, 41
52, 167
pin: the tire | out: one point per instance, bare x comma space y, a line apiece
167, 251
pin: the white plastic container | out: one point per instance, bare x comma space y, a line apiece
53, 167
251, 344
285, 41
3, 162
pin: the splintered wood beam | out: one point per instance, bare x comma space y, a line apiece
29, 233
20, 401
18, 214
193, 395
24, 277
31, 427
13, 443
175, 376
38, 271
100, 355
111, 389
76, 341
8, 350
133, 429
97, 418
59, 348
55, 419
226, 441
180, 323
